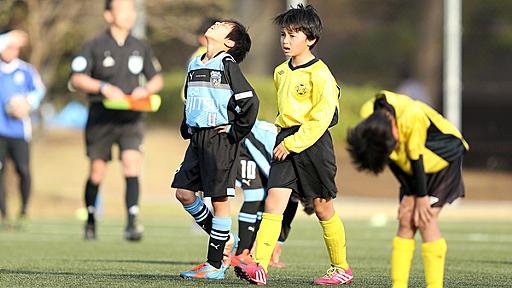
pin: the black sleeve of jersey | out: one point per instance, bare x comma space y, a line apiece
151, 64
245, 99
420, 179
184, 127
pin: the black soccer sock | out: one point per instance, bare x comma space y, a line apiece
247, 220
91, 192
202, 215
25, 185
218, 238
132, 199
288, 215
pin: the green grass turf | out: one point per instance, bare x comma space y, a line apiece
52, 254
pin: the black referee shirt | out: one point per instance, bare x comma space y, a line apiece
123, 66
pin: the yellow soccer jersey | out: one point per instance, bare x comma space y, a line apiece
422, 131
307, 96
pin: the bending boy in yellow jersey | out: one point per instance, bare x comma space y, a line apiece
424, 151
304, 160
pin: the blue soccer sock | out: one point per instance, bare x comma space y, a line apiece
201, 214
218, 238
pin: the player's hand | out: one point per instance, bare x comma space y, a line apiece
19, 107
112, 92
18, 38
139, 92
423, 213
221, 129
280, 152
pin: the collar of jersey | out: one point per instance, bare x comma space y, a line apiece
109, 34
199, 58
311, 62
10, 67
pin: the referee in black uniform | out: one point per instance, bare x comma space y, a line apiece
113, 65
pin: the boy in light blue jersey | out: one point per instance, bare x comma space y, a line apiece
220, 110
21, 93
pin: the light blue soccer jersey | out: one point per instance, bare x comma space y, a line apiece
18, 78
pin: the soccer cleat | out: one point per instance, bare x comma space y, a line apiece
243, 258
253, 273
90, 231
204, 271
335, 276
133, 232
229, 249
274, 261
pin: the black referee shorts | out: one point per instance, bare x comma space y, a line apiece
210, 165
99, 138
443, 187
310, 173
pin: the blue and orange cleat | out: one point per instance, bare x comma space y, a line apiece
205, 271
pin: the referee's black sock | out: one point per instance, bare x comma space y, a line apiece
247, 221
132, 199
91, 192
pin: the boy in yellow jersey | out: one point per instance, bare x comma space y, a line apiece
424, 151
304, 160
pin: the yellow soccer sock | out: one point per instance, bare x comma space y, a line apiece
267, 236
401, 259
334, 237
434, 254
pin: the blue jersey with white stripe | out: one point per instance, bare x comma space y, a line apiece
260, 144
217, 93
18, 79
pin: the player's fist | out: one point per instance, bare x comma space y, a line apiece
18, 107
112, 92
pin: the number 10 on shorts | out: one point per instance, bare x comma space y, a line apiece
248, 169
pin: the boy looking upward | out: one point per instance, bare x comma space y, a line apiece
304, 160
220, 110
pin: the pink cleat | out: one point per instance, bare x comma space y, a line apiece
335, 276
253, 273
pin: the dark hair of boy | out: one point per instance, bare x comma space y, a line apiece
108, 5
206, 24
303, 19
371, 142
241, 38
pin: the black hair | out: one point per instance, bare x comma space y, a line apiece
108, 5
207, 23
371, 142
241, 38
303, 19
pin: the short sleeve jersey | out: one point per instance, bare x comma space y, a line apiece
125, 66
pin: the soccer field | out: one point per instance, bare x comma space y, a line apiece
52, 254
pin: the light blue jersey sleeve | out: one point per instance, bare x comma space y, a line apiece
4, 40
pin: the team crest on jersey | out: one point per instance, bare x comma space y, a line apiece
135, 64
301, 89
19, 78
280, 72
215, 78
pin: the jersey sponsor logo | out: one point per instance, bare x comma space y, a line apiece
135, 64
199, 103
79, 64
215, 78
19, 78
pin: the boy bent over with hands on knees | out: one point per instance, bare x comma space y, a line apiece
304, 160
220, 110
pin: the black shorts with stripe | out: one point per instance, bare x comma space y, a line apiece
310, 173
210, 164
100, 137
443, 187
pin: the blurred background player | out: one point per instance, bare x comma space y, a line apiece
424, 151
21, 93
112, 66
304, 160
220, 110
255, 159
